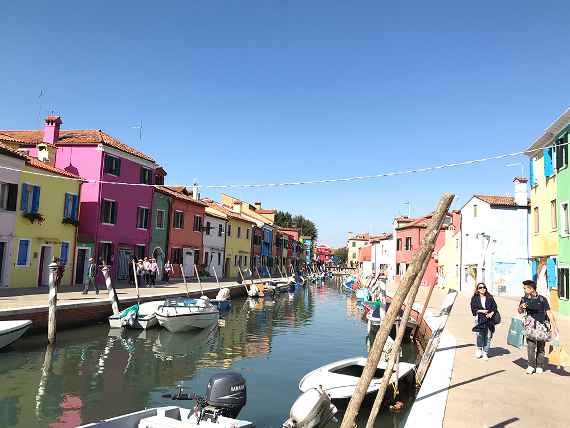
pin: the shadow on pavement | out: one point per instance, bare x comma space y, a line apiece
466, 345
523, 364
505, 423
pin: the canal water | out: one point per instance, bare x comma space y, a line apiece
95, 372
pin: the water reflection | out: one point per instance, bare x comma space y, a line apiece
95, 372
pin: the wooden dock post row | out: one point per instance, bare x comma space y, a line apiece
423, 253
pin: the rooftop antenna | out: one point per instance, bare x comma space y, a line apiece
409, 204
40, 106
140, 128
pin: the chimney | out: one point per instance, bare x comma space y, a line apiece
195, 192
521, 192
257, 205
51, 129
236, 207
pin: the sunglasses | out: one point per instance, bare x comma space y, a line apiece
481, 288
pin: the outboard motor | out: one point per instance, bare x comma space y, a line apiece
313, 409
227, 393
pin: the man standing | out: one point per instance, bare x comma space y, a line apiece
91, 275
146, 266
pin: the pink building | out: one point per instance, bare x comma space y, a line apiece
409, 234
323, 253
115, 220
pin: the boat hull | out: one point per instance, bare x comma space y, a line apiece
187, 322
10, 331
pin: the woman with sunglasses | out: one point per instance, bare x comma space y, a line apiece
483, 307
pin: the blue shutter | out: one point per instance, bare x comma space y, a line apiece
64, 252
35, 199
551, 279
23, 252
66, 205
548, 170
24, 198
531, 172
74, 206
534, 269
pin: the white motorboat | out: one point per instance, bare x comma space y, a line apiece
226, 395
10, 331
139, 316
339, 379
183, 314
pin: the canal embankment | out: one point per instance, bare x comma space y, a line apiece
460, 390
75, 309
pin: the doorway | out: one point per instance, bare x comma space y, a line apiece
188, 262
46, 254
81, 265
124, 264
2, 256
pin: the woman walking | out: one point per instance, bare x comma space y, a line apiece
167, 271
538, 318
483, 307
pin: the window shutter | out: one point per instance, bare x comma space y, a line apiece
64, 252
23, 252
531, 172
12, 197
74, 207
103, 212
24, 198
66, 205
114, 212
551, 272
534, 269
547, 153
118, 169
35, 199
559, 153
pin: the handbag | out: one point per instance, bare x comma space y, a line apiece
515, 335
535, 330
496, 318
559, 356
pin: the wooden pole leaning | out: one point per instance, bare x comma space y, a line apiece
421, 317
184, 279
424, 252
136, 282
216, 276
397, 344
52, 303
198, 277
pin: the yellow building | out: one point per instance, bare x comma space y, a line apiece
448, 260
354, 243
238, 239
46, 224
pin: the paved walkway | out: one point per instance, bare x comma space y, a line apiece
497, 393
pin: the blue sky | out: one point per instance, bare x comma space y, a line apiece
270, 91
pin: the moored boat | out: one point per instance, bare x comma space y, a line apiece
183, 314
10, 331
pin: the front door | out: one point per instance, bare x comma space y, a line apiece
188, 262
123, 264
159, 257
46, 255
81, 266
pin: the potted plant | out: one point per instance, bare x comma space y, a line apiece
69, 220
34, 217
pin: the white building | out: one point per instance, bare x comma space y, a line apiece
383, 256
495, 242
214, 241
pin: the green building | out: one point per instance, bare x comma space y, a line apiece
160, 222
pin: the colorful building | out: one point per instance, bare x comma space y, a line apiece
214, 241
115, 218
160, 222
323, 253
449, 260
185, 239
43, 211
354, 242
550, 196
383, 256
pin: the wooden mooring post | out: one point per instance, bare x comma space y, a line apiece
110, 289
52, 303
184, 279
423, 253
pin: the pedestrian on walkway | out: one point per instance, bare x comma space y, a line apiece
146, 265
60, 271
140, 272
167, 271
153, 272
536, 306
483, 307
91, 277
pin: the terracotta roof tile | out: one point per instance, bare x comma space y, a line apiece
170, 191
498, 201
226, 211
9, 151
72, 137
33, 162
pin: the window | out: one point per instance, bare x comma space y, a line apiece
176, 256
207, 228
553, 219
112, 165
535, 220
146, 176
206, 260
109, 212
564, 221
197, 223
140, 252
23, 252
178, 220
142, 218
70, 206
548, 156
353, 255
239, 232
239, 261
353, 244
475, 210
245, 261
106, 252
220, 230
159, 179
562, 152
160, 214
399, 244
8, 196
64, 253
247, 233
219, 258
408, 243
229, 230
196, 257
30, 198
563, 283
235, 261
397, 268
